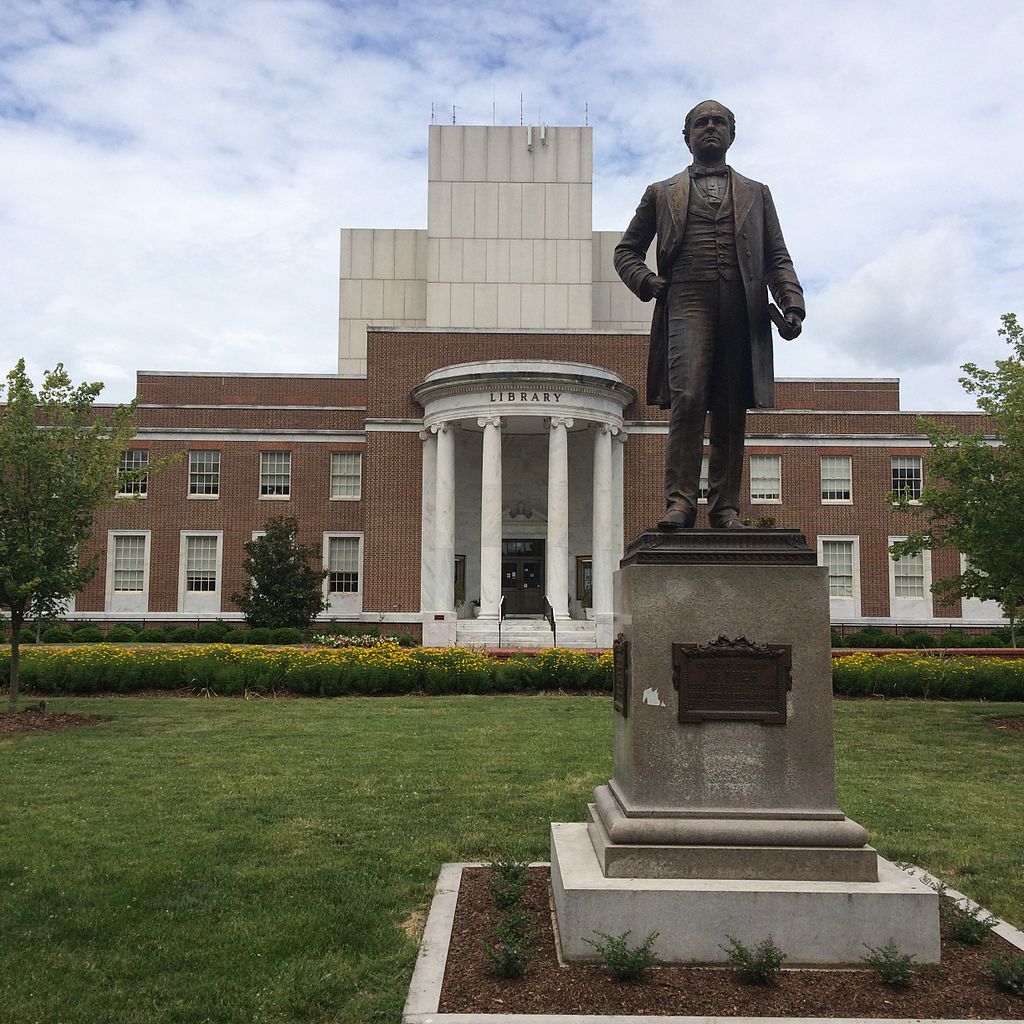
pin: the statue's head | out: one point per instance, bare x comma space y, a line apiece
709, 130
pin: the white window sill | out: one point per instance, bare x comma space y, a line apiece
765, 501
203, 497
275, 497
346, 497
837, 501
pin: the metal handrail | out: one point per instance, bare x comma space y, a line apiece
549, 614
501, 616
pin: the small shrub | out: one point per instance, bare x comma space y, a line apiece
1009, 973
121, 634
625, 962
88, 635
153, 635
507, 882
510, 949
181, 635
893, 967
257, 635
758, 966
286, 635
212, 632
966, 926
56, 635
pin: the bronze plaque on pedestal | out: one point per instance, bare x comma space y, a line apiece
620, 675
732, 681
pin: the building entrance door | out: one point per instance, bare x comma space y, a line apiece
522, 576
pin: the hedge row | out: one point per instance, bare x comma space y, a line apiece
319, 672
922, 675
873, 637
391, 669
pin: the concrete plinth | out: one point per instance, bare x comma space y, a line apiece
813, 922
667, 860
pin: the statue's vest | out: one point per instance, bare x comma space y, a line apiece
709, 241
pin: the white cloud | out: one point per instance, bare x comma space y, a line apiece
175, 174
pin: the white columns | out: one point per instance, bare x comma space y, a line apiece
618, 499
602, 543
428, 526
490, 518
444, 514
557, 570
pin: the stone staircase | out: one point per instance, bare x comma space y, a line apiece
525, 633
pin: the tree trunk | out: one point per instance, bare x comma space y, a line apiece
12, 691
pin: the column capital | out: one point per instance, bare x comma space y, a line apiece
620, 435
441, 428
426, 435
560, 421
490, 421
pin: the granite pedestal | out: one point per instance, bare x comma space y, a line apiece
721, 817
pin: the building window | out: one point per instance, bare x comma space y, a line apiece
702, 484
836, 478
275, 474
129, 564
342, 565
132, 461
837, 557
200, 564
203, 474
908, 576
906, 476
346, 474
766, 478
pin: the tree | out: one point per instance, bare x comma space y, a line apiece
974, 499
58, 465
283, 588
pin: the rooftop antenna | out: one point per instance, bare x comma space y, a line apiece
520, 108
586, 113
494, 104
433, 116
453, 113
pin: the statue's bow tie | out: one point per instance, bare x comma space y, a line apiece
723, 173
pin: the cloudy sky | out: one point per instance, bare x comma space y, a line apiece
173, 174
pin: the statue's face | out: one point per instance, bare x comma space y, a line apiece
709, 133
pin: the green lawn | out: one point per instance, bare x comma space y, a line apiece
224, 860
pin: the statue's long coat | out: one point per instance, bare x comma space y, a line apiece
763, 259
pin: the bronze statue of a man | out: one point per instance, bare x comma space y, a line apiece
720, 247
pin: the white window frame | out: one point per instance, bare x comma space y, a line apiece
276, 497
920, 475
843, 607
974, 609
765, 501
702, 482
911, 608
358, 475
199, 601
849, 480
349, 602
139, 487
134, 601
196, 496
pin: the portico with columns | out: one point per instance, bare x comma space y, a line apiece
522, 478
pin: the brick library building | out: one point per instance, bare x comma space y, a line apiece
483, 452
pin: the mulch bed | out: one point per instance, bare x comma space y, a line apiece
962, 987
1016, 723
33, 720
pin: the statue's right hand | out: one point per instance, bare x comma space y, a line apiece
657, 285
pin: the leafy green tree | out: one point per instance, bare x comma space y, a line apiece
58, 464
283, 588
974, 498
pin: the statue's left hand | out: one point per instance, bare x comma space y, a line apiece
795, 322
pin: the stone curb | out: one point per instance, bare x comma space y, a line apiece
428, 975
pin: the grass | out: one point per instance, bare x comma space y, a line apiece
229, 860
